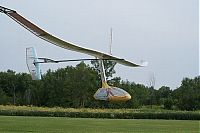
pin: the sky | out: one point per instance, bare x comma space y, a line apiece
163, 32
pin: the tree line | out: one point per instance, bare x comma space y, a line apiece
75, 87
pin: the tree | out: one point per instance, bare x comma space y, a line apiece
188, 94
168, 103
54, 91
4, 99
108, 65
84, 82
8, 83
162, 94
70, 86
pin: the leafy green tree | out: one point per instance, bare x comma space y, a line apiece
69, 87
188, 94
53, 92
8, 83
84, 83
168, 103
23, 89
4, 99
108, 65
162, 94
75, 87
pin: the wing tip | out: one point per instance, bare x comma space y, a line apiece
144, 63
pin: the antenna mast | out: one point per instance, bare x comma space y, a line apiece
111, 39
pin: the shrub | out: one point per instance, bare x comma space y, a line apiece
94, 113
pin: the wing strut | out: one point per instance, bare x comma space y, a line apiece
47, 60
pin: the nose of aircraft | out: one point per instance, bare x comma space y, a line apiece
128, 97
120, 95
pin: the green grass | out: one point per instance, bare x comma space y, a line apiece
85, 125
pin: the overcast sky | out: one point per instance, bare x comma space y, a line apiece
163, 32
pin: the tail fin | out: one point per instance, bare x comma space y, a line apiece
32, 63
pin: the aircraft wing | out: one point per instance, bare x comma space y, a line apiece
67, 45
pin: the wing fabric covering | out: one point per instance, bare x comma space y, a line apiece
67, 45
32, 63
112, 94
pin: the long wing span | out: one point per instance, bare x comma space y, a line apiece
54, 40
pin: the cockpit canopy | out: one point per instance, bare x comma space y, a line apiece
112, 94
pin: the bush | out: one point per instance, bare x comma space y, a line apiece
94, 113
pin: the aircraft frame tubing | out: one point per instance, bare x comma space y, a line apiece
46, 60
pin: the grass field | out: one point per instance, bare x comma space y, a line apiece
86, 125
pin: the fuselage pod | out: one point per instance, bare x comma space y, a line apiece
112, 94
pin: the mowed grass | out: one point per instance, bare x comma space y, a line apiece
22, 124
